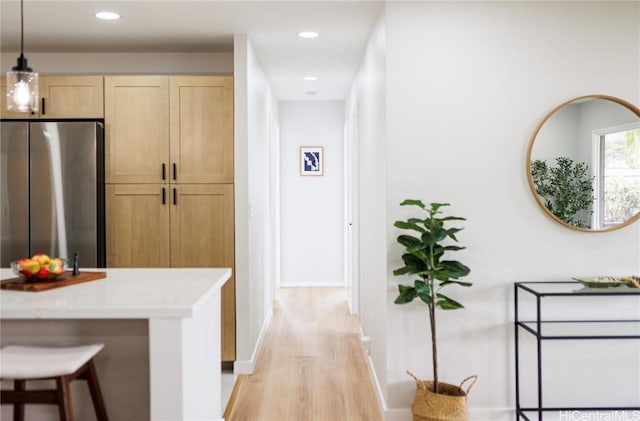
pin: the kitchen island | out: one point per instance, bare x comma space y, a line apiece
177, 311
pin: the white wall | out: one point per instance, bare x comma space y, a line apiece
255, 110
367, 95
312, 206
466, 85
124, 63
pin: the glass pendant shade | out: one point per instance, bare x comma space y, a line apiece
22, 89
22, 81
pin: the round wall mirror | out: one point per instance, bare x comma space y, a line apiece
583, 163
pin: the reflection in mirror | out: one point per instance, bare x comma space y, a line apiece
583, 163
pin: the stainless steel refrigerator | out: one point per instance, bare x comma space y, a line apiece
52, 190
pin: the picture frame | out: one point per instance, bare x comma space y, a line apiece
312, 160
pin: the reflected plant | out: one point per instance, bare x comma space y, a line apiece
566, 188
622, 200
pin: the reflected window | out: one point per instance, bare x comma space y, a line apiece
617, 175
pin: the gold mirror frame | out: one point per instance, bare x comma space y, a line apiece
537, 197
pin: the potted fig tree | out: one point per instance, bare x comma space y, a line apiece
425, 247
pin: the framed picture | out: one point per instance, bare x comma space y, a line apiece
311, 160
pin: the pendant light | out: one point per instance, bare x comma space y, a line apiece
22, 81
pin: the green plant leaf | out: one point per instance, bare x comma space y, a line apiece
409, 226
436, 206
410, 242
453, 218
413, 202
407, 294
447, 303
454, 281
453, 248
451, 233
402, 271
414, 263
455, 268
435, 235
423, 291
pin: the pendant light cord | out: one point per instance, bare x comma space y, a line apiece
21, 28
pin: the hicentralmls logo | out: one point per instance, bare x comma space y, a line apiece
599, 416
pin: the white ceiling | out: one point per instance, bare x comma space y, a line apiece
205, 26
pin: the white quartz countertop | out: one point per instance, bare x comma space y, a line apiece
123, 294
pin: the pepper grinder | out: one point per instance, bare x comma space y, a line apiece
76, 266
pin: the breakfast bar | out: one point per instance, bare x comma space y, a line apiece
181, 311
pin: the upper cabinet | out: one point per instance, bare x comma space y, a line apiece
71, 97
63, 97
136, 129
176, 129
201, 109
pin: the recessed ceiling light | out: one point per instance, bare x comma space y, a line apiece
108, 15
310, 78
308, 34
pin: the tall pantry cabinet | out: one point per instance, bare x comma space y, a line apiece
169, 172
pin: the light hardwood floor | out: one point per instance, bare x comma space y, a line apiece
311, 365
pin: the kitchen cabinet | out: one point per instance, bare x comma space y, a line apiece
187, 225
137, 225
169, 144
201, 144
202, 235
169, 128
136, 129
63, 97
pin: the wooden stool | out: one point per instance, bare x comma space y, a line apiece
22, 363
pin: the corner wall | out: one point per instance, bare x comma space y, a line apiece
366, 103
255, 112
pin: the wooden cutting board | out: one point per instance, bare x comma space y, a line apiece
63, 280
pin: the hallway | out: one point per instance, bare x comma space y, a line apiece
311, 365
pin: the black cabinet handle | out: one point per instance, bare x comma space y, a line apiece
164, 171
175, 196
175, 170
43, 108
164, 196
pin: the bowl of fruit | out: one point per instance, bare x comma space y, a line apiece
39, 267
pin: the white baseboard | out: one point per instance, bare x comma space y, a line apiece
248, 367
311, 284
404, 414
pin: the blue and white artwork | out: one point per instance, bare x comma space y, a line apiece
311, 160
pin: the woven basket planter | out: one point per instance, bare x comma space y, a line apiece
448, 405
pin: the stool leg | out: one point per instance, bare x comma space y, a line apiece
96, 394
18, 408
64, 398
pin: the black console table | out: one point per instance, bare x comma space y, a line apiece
543, 329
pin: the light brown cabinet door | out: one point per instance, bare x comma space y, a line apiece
71, 96
137, 225
136, 128
202, 235
202, 129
